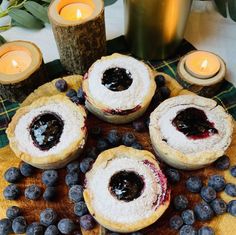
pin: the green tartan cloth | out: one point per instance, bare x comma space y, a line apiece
226, 96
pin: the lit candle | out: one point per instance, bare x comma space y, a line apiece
202, 64
21, 70
14, 62
76, 11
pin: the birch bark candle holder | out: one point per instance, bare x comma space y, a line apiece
201, 72
21, 70
79, 30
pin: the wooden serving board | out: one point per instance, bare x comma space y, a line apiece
223, 225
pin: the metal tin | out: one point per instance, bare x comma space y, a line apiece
155, 28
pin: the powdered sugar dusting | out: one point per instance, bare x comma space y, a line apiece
179, 141
117, 210
126, 99
73, 123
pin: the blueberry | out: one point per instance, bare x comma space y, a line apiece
137, 145
35, 229
13, 212
187, 230
222, 163
217, 182
73, 167
32, 192
87, 222
231, 208
66, 226
219, 206
95, 131
128, 139
230, 189
52, 230
12, 175
50, 177
86, 164
26, 169
203, 211
48, 217
72, 178
188, 217
80, 208
160, 80
194, 184
11, 192
165, 92
80, 95
205, 230
139, 126
75, 100
76, 193
19, 225
233, 171
180, 202
102, 144
71, 93
176, 222
172, 175
61, 85
5, 226
208, 194
114, 138
91, 153
50, 194
147, 122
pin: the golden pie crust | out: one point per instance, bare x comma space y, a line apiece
106, 113
139, 155
57, 160
175, 157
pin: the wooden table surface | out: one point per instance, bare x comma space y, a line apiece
223, 225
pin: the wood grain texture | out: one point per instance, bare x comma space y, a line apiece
223, 225
82, 43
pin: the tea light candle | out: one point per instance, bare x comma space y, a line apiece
79, 30
201, 72
202, 64
14, 62
76, 11
21, 70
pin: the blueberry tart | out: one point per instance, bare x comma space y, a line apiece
126, 190
49, 133
118, 88
189, 131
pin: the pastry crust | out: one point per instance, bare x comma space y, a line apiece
197, 159
103, 159
108, 113
49, 161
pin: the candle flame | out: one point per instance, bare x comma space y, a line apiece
14, 63
204, 64
78, 14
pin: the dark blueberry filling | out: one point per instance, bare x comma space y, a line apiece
46, 130
117, 79
126, 185
194, 123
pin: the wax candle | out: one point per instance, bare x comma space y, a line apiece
14, 62
21, 70
202, 64
76, 11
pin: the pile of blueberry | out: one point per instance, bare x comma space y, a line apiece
210, 206
162, 92
76, 97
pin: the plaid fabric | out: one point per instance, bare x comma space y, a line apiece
226, 97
